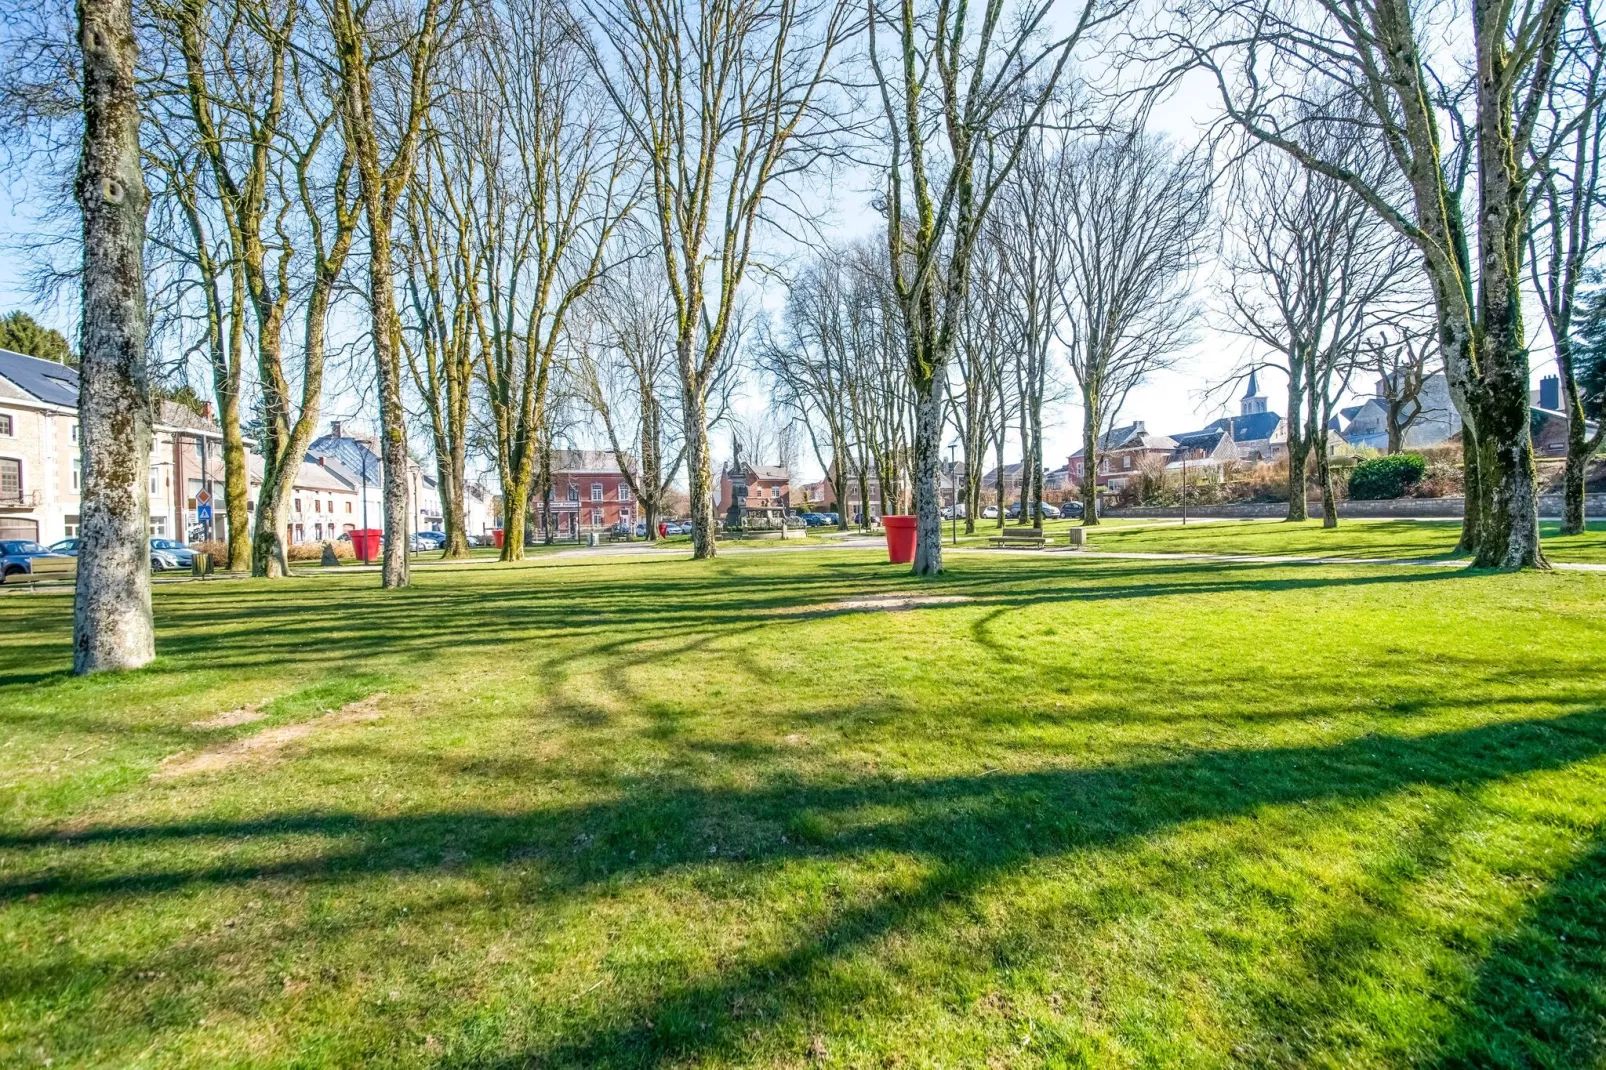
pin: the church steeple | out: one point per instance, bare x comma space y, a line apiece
1253, 401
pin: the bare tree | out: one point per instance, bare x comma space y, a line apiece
721, 97
1133, 214
626, 375
1438, 105
1401, 357
1315, 270
1563, 243
386, 61
812, 366
112, 626
444, 271
979, 398
968, 82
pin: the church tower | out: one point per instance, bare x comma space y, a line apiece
1253, 401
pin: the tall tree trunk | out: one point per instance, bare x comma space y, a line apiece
112, 627
1581, 446
268, 535
1091, 417
1324, 473
927, 459
1298, 444
699, 473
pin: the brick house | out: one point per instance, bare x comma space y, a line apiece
767, 488
589, 493
1123, 451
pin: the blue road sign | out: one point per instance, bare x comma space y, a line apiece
203, 513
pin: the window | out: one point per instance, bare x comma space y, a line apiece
1126, 460
348, 507
158, 527
624, 492
77, 473
250, 507
775, 492
317, 505
596, 492
74, 432
298, 505
331, 507
6, 427
153, 484
574, 493
10, 478
596, 518
71, 523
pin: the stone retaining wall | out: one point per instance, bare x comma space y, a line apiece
1549, 506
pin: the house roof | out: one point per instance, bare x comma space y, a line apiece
347, 455
768, 471
1132, 436
310, 476
52, 383
57, 384
587, 462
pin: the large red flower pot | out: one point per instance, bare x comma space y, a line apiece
366, 543
900, 538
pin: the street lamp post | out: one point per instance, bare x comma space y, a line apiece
953, 490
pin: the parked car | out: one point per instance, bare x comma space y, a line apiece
640, 530
65, 546
831, 519
990, 512
1050, 512
1071, 509
429, 540
19, 557
170, 554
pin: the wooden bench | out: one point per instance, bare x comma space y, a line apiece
1020, 538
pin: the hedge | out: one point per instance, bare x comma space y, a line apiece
1386, 477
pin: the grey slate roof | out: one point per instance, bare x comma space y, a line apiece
52, 383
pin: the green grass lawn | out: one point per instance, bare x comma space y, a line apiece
1352, 538
653, 813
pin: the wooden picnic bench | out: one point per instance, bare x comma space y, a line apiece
1019, 538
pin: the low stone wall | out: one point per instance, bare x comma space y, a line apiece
1549, 506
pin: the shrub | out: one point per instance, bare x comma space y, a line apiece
1386, 477
217, 549
313, 551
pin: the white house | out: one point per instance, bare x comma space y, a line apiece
39, 454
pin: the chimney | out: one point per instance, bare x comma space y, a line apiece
1550, 393
206, 409
320, 461
1137, 427
334, 428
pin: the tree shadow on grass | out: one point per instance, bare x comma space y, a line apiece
1540, 997
965, 833
278, 621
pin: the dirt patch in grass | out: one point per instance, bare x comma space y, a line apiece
232, 718
881, 603
264, 746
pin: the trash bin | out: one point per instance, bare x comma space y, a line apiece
900, 538
366, 543
593, 539
201, 565
498, 535
663, 530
